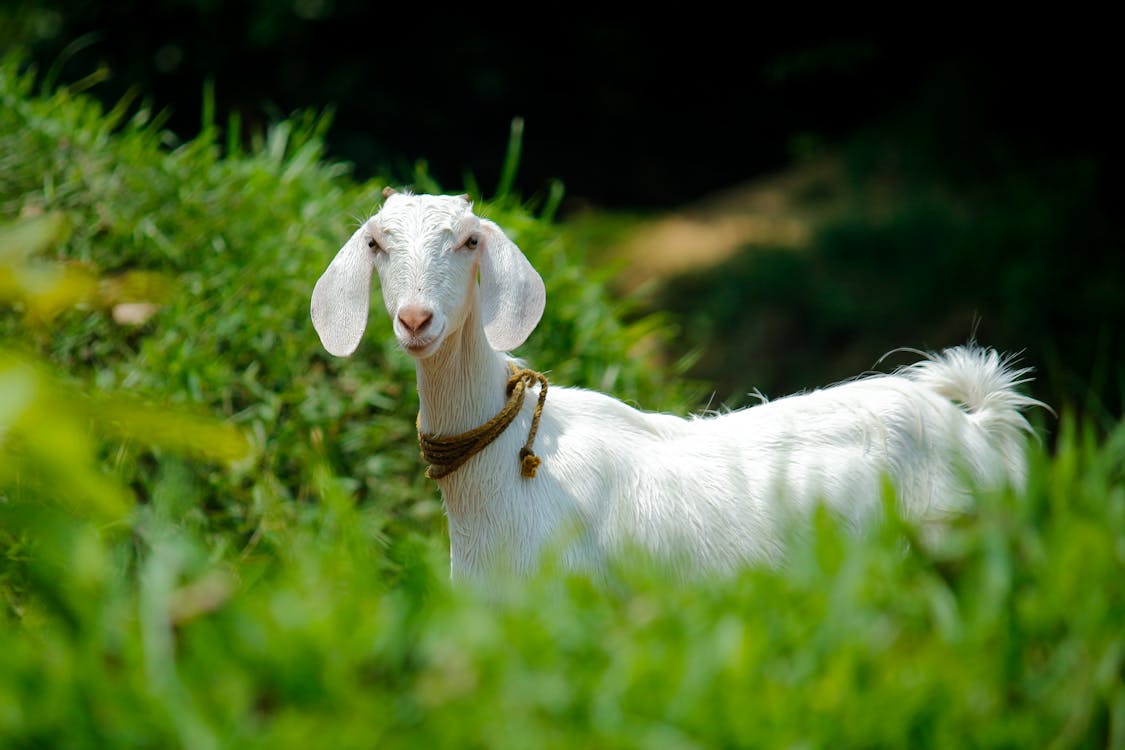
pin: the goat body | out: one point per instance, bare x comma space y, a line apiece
709, 493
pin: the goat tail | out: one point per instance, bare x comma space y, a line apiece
983, 382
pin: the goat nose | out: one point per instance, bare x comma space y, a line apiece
414, 318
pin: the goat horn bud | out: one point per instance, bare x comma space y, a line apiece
388, 191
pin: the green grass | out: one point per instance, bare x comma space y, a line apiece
215, 535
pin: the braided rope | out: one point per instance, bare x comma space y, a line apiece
447, 454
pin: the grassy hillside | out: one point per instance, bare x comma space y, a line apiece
215, 535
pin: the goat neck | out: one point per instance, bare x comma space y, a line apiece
461, 385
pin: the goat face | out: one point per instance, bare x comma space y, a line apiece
428, 251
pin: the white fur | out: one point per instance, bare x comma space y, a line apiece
708, 493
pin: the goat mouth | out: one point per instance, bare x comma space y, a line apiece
420, 347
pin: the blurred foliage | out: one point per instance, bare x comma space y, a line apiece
214, 535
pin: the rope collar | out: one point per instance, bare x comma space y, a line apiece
447, 454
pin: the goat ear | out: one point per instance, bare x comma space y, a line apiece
512, 293
342, 296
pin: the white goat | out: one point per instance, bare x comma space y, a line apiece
708, 493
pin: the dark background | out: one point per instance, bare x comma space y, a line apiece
627, 112
1015, 118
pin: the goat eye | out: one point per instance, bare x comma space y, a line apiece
472, 242
371, 243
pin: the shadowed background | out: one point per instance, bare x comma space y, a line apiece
801, 201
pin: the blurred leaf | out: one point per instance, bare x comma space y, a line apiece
46, 449
27, 237
146, 424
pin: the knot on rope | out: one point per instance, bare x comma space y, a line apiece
529, 462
